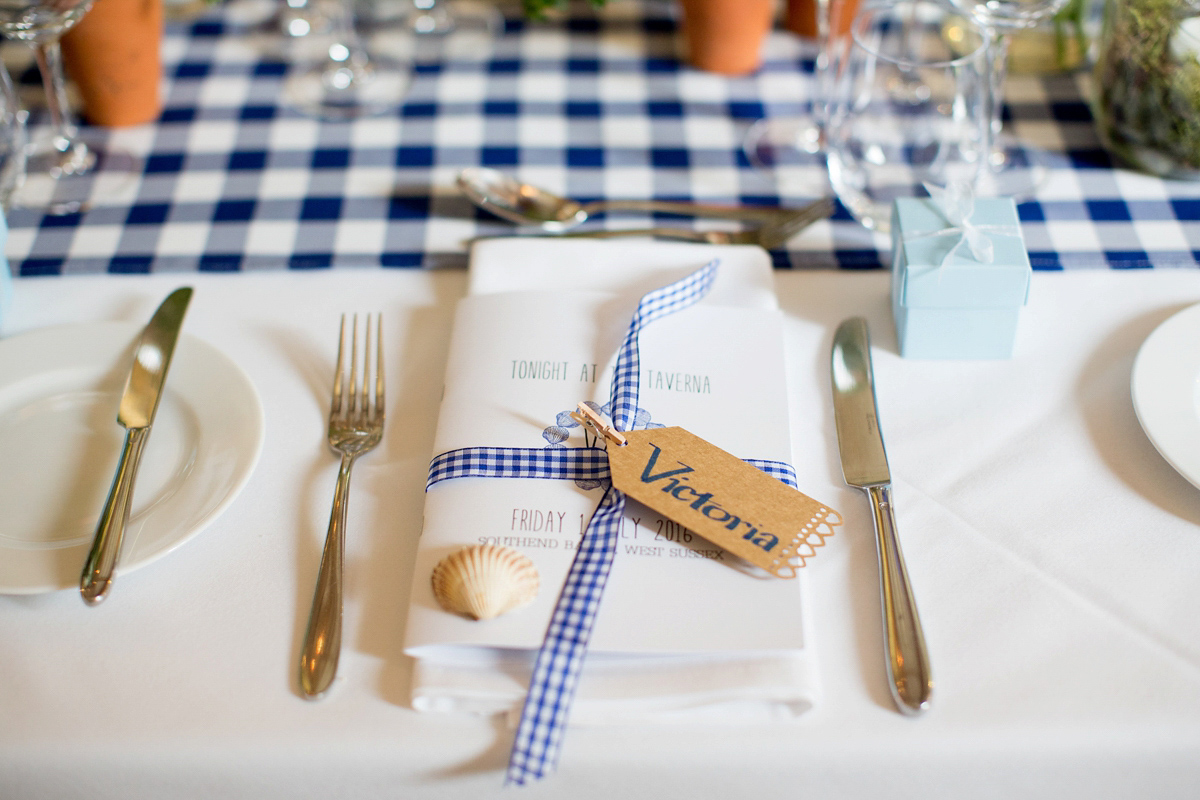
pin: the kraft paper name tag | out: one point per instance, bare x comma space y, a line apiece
720, 497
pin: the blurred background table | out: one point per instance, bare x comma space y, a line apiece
592, 104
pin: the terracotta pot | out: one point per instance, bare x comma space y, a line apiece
801, 16
726, 36
113, 56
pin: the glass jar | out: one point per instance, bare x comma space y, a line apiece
1147, 85
1058, 43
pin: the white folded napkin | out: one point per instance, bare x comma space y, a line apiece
681, 632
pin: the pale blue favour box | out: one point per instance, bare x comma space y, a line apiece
965, 309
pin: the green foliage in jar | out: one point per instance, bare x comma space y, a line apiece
536, 9
1148, 85
1070, 38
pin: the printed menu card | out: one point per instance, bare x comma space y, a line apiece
684, 627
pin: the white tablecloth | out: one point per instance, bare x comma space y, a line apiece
1053, 552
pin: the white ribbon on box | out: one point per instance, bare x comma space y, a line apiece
956, 202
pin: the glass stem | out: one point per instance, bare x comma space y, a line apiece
49, 61
996, 77
346, 34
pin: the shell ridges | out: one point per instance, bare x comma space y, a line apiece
483, 581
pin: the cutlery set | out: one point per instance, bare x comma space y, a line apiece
357, 413
356, 419
534, 207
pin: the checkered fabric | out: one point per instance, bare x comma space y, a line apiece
554, 463
776, 469
654, 305
559, 662
592, 105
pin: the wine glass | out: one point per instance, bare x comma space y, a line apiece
433, 18
346, 82
12, 139
297, 18
773, 142
1009, 173
62, 156
908, 107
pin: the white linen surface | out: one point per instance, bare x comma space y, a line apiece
674, 637
1053, 552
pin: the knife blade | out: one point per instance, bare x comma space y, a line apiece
865, 466
139, 404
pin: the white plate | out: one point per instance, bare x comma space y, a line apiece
1166, 391
59, 444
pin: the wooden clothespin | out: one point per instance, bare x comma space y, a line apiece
586, 416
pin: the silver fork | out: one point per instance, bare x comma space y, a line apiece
355, 427
770, 236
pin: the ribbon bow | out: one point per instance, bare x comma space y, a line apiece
956, 204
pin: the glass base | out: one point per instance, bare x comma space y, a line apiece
306, 17
785, 141
345, 90
64, 177
1014, 171
435, 18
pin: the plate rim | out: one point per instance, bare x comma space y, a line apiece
1163, 387
251, 447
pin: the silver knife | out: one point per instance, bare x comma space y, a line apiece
143, 390
864, 464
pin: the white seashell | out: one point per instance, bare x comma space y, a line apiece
484, 581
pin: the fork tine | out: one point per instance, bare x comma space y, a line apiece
352, 407
335, 406
379, 401
366, 377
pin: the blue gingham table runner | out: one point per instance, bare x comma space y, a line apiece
592, 105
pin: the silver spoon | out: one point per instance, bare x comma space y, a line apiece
508, 198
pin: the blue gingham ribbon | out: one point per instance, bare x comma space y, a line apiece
560, 660
561, 463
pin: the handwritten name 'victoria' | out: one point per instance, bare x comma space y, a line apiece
676, 484
684, 382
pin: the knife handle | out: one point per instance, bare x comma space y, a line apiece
101, 562
911, 679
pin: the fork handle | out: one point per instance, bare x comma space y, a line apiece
323, 640
101, 563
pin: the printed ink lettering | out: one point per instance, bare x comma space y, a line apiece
684, 382
677, 486
647, 477
539, 370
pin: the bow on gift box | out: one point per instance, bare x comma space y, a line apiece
560, 659
956, 204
